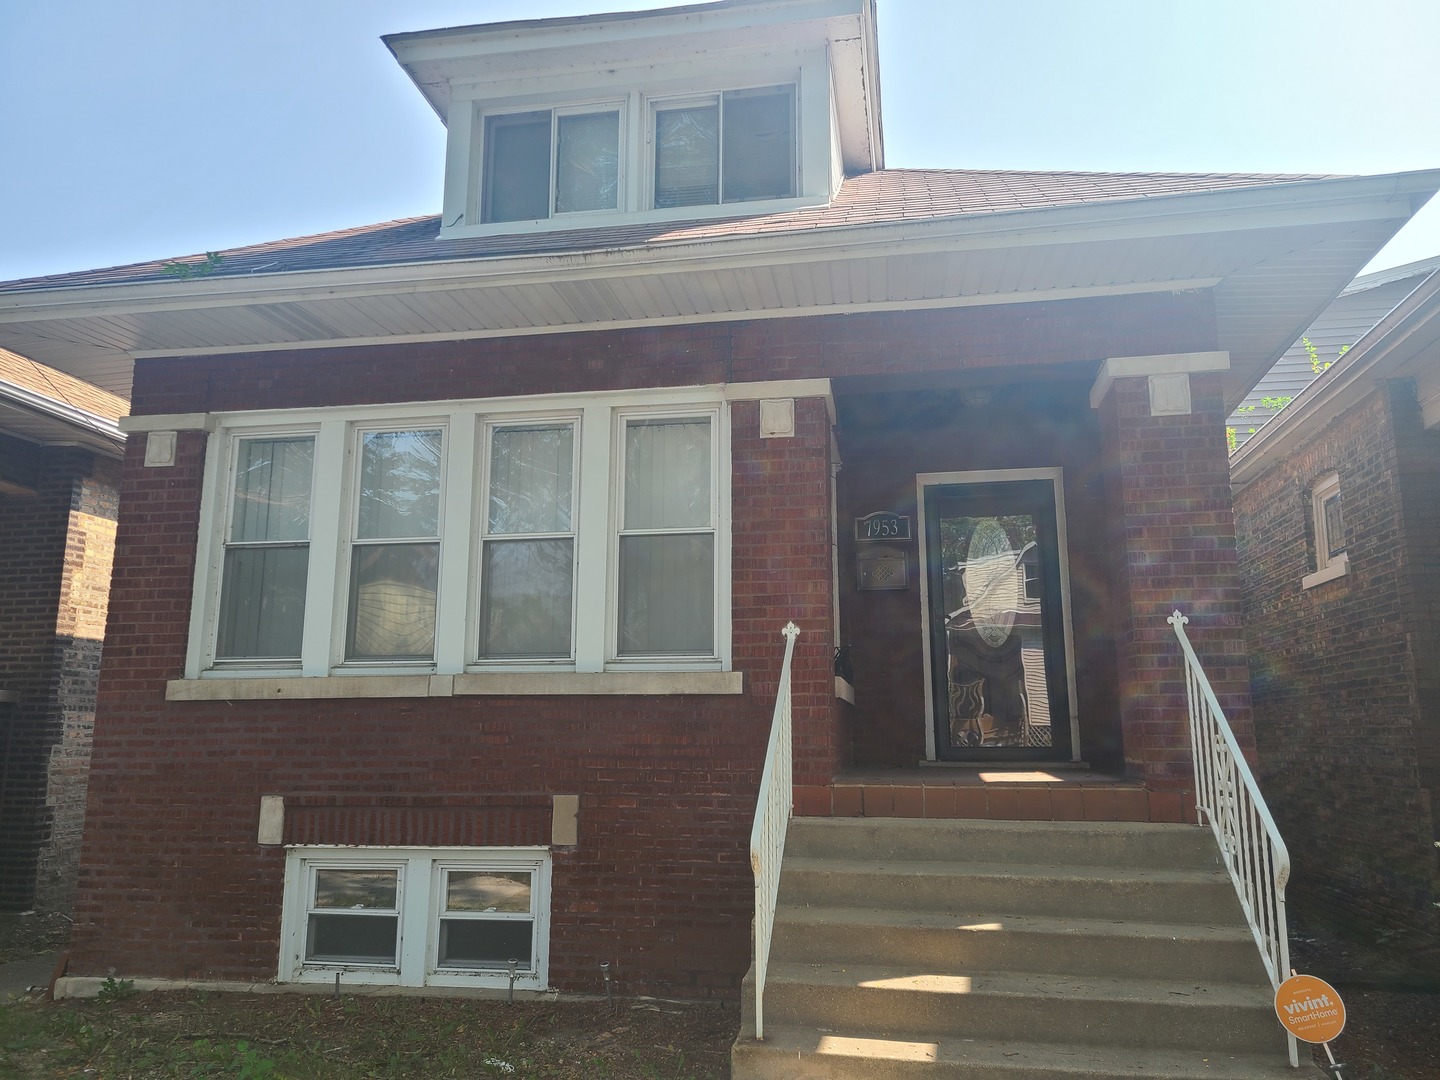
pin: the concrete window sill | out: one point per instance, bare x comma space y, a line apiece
1336, 568
517, 684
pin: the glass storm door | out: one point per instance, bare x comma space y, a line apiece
997, 644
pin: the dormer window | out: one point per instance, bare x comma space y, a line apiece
548, 162
736, 146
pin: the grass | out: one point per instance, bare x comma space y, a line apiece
293, 1037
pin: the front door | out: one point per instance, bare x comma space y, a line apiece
996, 627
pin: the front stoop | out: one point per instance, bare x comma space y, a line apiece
1012, 950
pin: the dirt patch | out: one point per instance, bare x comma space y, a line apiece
24, 936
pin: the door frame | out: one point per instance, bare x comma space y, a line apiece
1056, 476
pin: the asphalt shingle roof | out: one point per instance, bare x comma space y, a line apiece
57, 386
888, 196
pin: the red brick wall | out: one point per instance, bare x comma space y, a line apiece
1173, 539
173, 882
55, 552
1344, 672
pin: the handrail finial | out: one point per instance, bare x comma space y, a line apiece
790, 630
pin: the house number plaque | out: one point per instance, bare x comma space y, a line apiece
882, 525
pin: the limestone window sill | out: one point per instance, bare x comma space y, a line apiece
1337, 567
496, 684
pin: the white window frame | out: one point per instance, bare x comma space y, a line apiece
1328, 567
333, 507
480, 530
622, 417
419, 897
657, 104
349, 541
480, 167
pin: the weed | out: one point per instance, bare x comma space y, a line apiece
113, 990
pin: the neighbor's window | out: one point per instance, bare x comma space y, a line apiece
395, 551
552, 161
527, 573
1329, 523
267, 550
736, 146
667, 537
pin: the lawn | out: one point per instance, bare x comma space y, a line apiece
252, 1036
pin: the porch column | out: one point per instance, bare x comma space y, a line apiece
1172, 529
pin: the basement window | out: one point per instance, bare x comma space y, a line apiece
417, 917
1328, 528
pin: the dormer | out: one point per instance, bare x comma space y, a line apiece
738, 108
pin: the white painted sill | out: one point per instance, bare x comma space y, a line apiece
844, 691
1337, 567
517, 684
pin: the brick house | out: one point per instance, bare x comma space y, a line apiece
454, 552
1337, 509
60, 450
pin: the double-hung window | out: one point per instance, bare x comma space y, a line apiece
527, 571
735, 146
267, 550
395, 550
550, 161
667, 537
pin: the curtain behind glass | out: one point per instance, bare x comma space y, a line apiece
517, 167
759, 145
687, 156
527, 580
267, 557
587, 166
667, 578
393, 586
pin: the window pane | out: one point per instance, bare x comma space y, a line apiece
531, 477
272, 490
485, 943
352, 939
1334, 526
517, 167
687, 156
399, 484
352, 888
392, 602
587, 168
262, 603
759, 145
525, 604
667, 474
667, 595
487, 890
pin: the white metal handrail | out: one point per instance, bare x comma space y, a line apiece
772, 819
1229, 798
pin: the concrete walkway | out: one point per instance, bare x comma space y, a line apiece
20, 975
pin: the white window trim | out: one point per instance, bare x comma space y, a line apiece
474, 210
1327, 567
807, 71
457, 638
419, 914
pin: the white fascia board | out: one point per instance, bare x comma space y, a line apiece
1237, 210
1412, 328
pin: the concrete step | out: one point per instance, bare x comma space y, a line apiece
791, 1053
921, 1003
1172, 896
1136, 845
1003, 942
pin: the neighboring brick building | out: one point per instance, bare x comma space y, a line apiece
454, 552
59, 486
1337, 509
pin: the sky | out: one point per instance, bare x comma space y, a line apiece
149, 129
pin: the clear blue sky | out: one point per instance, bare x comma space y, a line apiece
157, 128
